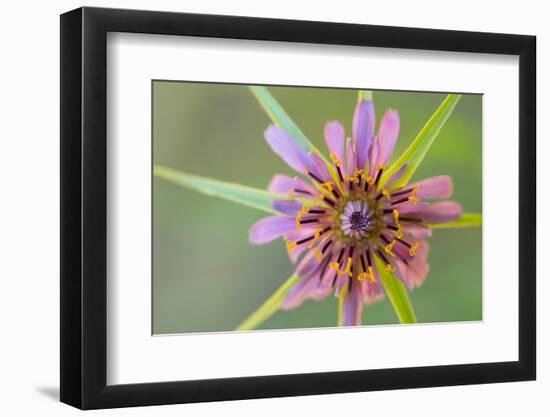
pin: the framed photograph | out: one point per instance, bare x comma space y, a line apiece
258, 208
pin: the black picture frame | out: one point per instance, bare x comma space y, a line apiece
84, 207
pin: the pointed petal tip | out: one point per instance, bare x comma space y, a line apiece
270, 228
281, 143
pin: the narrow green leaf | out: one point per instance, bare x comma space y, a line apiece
268, 308
397, 293
341, 306
466, 220
417, 150
364, 95
248, 196
279, 116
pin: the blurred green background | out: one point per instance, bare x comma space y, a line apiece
208, 277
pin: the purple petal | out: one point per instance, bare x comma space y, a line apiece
295, 235
415, 272
301, 184
363, 130
281, 184
328, 274
335, 139
410, 207
321, 169
442, 212
290, 207
434, 187
307, 288
307, 265
270, 228
397, 175
372, 291
351, 157
286, 147
417, 231
353, 307
387, 135
373, 156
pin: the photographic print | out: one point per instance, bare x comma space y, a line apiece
279, 207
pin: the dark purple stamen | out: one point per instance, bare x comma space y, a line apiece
369, 258
385, 239
363, 263
378, 176
381, 255
410, 219
403, 200
340, 174
315, 177
379, 196
398, 193
403, 242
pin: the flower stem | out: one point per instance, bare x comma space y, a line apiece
341, 306
399, 298
269, 307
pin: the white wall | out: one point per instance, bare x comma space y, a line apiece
29, 176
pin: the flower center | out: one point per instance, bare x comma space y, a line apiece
357, 219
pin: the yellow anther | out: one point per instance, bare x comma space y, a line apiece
388, 248
321, 196
359, 172
371, 274
399, 231
290, 245
300, 215
334, 265
386, 193
318, 254
351, 178
335, 159
414, 248
362, 276
327, 185
378, 167
370, 180
389, 268
346, 271
396, 216
413, 196
316, 236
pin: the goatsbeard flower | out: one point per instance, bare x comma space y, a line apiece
343, 223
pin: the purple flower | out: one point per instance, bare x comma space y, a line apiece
343, 223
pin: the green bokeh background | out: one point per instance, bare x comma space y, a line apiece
208, 277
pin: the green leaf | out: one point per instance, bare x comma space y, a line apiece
341, 299
397, 293
466, 220
417, 150
268, 308
364, 95
279, 116
248, 196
